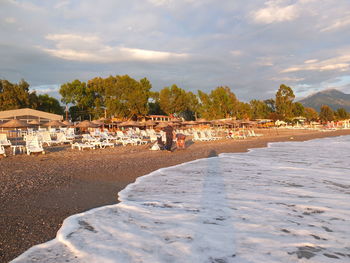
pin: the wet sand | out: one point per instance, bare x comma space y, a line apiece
38, 192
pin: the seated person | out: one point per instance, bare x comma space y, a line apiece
180, 140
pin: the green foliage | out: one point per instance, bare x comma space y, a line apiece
341, 114
310, 114
284, 101
326, 113
173, 100
244, 111
49, 104
298, 109
260, 109
126, 97
220, 103
271, 104
119, 96
14, 96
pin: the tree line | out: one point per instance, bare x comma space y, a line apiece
126, 98
17, 96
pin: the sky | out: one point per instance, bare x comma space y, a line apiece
251, 46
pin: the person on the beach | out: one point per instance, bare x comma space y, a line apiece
180, 140
169, 134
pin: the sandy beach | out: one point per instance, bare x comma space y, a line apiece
38, 192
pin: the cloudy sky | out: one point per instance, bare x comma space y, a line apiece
251, 46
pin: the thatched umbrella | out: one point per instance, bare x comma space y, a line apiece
189, 123
15, 124
162, 125
98, 122
86, 124
202, 121
150, 123
34, 122
54, 123
129, 124
68, 123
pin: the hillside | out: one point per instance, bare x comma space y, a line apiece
331, 97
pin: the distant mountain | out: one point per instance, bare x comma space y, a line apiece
331, 97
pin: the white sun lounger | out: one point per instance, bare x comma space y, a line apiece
82, 146
2, 150
4, 141
33, 145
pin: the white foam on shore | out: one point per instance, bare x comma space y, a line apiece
285, 203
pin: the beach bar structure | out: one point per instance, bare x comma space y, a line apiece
27, 115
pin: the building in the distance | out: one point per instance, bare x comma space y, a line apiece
29, 115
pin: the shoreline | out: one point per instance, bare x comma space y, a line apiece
38, 192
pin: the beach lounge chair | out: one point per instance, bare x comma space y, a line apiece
2, 151
33, 145
61, 138
70, 134
255, 134
82, 146
46, 138
197, 138
89, 138
211, 135
4, 141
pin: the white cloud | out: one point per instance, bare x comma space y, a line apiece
275, 13
236, 53
337, 24
91, 49
265, 61
340, 63
10, 20
310, 61
287, 79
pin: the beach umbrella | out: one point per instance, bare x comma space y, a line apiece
86, 124
68, 123
15, 124
54, 123
202, 121
189, 123
150, 123
34, 122
129, 124
162, 125
98, 122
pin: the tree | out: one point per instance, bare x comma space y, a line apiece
173, 100
259, 109
220, 103
14, 96
284, 101
326, 113
298, 109
341, 114
126, 97
96, 87
271, 104
244, 111
153, 104
78, 94
310, 114
191, 113
49, 104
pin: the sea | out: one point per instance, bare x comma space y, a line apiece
288, 202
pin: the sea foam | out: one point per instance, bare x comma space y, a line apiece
285, 203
